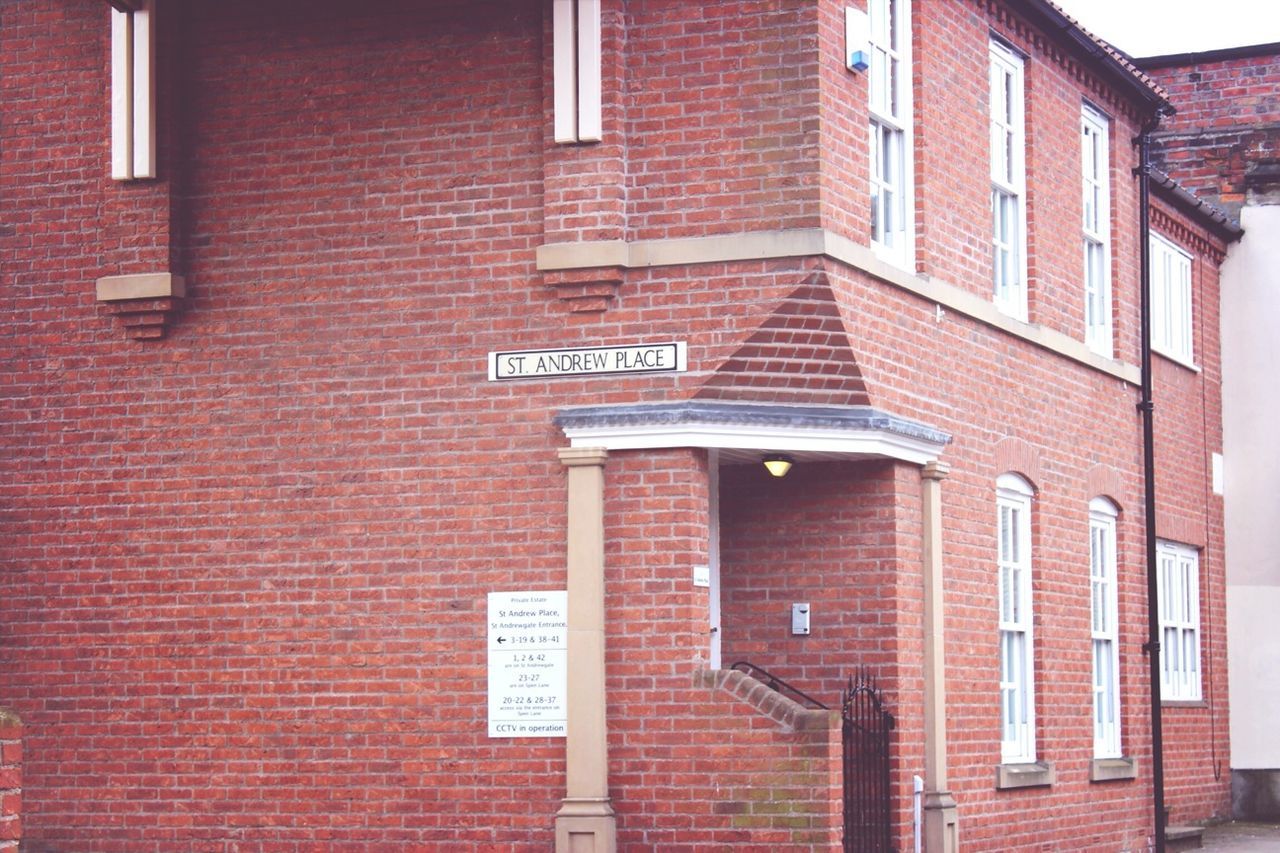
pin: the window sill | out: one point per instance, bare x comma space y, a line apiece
1178, 360
1113, 769
1183, 703
899, 259
1013, 312
1101, 350
1038, 774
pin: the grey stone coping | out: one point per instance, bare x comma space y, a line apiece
851, 418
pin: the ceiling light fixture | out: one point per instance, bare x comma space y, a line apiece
778, 464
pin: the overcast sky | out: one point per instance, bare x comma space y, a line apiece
1157, 27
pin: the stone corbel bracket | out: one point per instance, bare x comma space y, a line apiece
144, 302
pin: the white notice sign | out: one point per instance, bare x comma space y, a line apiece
589, 361
528, 663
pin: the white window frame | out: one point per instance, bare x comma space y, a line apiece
889, 79
1171, 302
1017, 648
1104, 628
1008, 143
1178, 584
1095, 169
576, 79
133, 92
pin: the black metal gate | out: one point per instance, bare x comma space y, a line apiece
865, 730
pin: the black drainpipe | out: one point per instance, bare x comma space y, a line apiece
1152, 646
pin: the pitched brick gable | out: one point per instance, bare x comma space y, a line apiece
799, 354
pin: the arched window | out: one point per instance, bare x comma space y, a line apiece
1104, 633
1017, 676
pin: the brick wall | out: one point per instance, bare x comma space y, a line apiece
953, 167
243, 569
10, 781
778, 546
841, 537
244, 600
985, 390
1188, 433
1227, 119
695, 761
1224, 142
722, 111
735, 766
1066, 416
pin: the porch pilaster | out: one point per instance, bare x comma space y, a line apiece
941, 817
586, 822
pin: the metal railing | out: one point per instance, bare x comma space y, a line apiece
865, 731
775, 683
865, 728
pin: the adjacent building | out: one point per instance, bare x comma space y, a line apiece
387, 387
1224, 143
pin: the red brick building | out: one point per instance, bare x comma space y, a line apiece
328, 322
1224, 143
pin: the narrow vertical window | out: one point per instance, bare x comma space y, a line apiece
1170, 300
1104, 633
889, 81
1013, 557
576, 70
1179, 602
133, 90
1008, 182
1095, 165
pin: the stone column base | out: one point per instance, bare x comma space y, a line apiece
586, 826
941, 823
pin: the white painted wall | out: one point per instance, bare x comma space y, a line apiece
1253, 647
1251, 450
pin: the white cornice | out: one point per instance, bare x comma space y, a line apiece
808, 432
806, 443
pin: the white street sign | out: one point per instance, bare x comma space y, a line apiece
528, 663
671, 357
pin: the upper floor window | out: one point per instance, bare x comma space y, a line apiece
1095, 165
576, 70
1013, 563
1008, 181
1104, 629
1179, 601
1170, 300
889, 79
133, 91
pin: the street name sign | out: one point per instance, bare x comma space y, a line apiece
670, 357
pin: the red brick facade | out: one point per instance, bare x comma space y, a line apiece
1224, 143
243, 567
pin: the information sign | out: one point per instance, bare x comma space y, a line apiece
528, 663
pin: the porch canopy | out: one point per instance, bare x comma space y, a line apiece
744, 431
